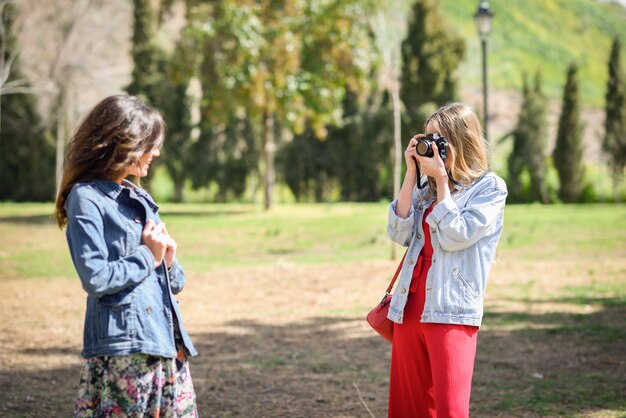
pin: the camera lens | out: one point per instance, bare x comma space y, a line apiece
423, 148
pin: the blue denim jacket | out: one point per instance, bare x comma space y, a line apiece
464, 229
130, 305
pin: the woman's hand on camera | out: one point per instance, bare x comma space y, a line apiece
410, 154
433, 166
156, 241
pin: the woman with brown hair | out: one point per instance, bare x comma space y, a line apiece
451, 221
134, 342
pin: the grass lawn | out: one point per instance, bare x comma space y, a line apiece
275, 303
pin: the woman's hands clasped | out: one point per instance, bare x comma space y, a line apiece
160, 243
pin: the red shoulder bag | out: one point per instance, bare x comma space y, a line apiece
377, 317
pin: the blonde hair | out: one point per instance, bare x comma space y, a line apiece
467, 149
111, 138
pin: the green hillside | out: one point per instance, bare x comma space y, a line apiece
541, 34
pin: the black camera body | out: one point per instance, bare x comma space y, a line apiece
425, 149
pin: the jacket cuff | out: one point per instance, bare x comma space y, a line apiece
147, 256
396, 222
442, 208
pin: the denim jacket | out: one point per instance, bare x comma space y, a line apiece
464, 229
130, 305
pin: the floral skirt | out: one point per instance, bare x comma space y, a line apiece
134, 386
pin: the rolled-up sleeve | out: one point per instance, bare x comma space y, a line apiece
88, 248
458, 229
400, 230
177, 277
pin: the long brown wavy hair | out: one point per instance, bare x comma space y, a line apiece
467, 149
111, 138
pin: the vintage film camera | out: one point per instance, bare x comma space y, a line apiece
425, 149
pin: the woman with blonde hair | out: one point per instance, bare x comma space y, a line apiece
134, 342
451, 222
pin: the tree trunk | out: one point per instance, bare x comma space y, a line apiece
397, 147
617, 182
60, 138
397, 140
179, 184
269, 150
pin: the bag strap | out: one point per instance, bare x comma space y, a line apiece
395, 276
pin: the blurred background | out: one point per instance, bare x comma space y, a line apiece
300, 95
304, 107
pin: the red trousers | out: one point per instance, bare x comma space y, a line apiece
431, 364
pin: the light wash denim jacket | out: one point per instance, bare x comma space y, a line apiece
464, 229
130, 305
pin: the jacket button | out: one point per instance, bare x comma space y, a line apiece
403, 290
419, 236
137, 219
410, 262
149, 310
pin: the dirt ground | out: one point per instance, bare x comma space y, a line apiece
290, 341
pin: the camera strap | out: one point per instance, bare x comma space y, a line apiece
418, 179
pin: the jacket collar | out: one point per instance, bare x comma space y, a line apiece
109, 188
141, 192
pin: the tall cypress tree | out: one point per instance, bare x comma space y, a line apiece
431, 54
615, 123
515, 161
529, 141
143, 51
568, 151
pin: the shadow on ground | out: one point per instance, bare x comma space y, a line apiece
29, 219
553, 364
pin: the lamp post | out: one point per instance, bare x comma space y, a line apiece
482, 18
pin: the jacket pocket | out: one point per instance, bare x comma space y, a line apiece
115, 319
470, 292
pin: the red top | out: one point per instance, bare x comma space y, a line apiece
426, 255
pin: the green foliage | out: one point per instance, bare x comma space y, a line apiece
529, 141
307, 165
162, 79
26, 152
226, 156
170, 96
352, 157
568, 152
361, 150
143, 51
431, 54
279, 64
615, 123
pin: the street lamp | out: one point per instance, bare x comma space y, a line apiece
482, 18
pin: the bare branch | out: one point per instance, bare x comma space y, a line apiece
17, 90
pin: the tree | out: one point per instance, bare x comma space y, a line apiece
365, 135
143, 51
614, 143
529, 140
26, 153
353, 157
389, 27
568, 152
284, 65
431, 54
162, 79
